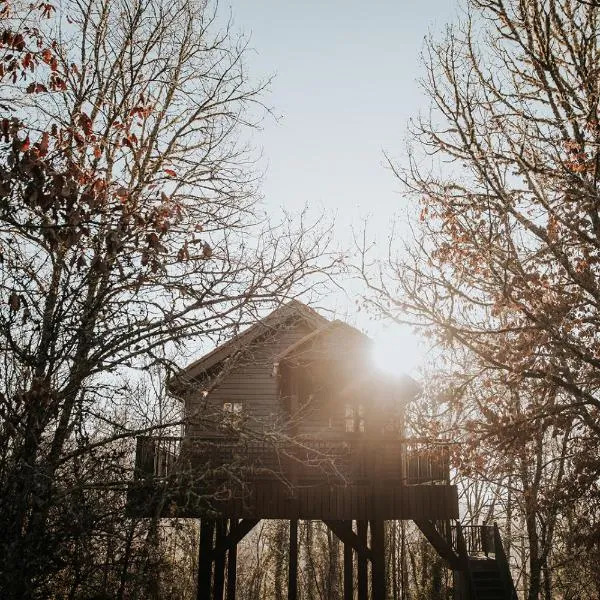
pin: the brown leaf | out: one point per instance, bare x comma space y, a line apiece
43, 145
14, 301
183, 253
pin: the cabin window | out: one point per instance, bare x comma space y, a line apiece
354, 418
395, 423
233, 413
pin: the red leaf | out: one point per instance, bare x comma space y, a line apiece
44, 143
170, 172
86, 124
47, 55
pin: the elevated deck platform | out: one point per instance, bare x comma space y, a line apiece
358, 479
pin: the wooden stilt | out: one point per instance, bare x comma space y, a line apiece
293, 561
207, 528
363, 581
348, 570
378, 560
219, 567
237, 532
231, 565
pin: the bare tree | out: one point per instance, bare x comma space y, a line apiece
128, 226
504, 264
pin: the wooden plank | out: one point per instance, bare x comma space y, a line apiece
219, 561
362, 569
207, 528
231, 564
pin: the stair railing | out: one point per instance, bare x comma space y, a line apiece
463, 556
503, 566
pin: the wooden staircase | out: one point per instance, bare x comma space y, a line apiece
476, 555
487, 580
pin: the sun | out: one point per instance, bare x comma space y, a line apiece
397, 350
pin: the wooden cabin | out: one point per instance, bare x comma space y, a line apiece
291, 420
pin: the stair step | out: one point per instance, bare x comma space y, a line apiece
486, 578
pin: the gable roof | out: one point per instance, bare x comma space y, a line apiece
277, 318
294, 309
329, 329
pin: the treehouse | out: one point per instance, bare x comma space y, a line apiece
290, 420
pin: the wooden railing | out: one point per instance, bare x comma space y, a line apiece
478, 539
156, 456
335, 461
503, 566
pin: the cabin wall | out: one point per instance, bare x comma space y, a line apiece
323, 378
249, 380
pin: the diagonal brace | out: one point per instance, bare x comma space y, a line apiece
235, 535
345, 534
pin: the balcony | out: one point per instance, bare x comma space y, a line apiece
341, 477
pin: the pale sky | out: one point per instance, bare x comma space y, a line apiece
345, 86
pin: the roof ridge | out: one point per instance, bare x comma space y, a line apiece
277, 316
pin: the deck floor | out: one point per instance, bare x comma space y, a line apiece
275, 500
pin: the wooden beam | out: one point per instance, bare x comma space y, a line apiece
207, 528
363, 582
440, 543
234, 537
348, 569
219, 566
231, 565
344, 532
378, 561
293, 561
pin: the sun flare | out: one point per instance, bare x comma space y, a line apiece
397, 350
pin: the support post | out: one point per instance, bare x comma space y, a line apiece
207, 528
378, 560
293, 561
363, 581
348, 570
219, 567
231, 565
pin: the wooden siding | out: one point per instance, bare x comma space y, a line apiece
249, 379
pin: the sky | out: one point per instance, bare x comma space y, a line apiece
345, 86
